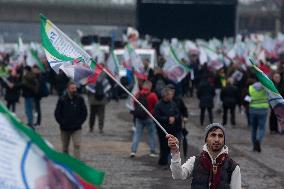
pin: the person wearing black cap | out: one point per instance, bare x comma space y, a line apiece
213, 168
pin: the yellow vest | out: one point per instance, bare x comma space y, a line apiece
223, 82
258, 98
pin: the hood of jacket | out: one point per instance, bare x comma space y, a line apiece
257, 86
223, 151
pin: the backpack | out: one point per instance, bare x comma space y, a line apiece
160, 84
138, 110
99, 88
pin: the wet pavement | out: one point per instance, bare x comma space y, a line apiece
110, 151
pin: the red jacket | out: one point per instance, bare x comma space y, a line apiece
152, 98
264, 68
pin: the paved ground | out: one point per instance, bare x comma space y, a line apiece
110, 151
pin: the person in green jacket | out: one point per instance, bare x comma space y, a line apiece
258, 109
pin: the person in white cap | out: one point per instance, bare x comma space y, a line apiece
213, 168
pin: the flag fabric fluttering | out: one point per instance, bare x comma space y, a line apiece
91, 87
274, 97
77, 70
29, 161
134, 91
175, 57
60, 48
112, 64
33, 59
19, 53
174, 69
63, 53
135, 62
94, 77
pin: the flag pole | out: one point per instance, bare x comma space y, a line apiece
47, 44
135, 99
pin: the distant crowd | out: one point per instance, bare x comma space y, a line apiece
221, 89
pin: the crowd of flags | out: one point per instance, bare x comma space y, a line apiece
62, 53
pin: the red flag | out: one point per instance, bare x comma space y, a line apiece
97, 72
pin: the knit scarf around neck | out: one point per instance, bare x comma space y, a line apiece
214, 179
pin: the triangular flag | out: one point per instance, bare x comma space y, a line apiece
60, 48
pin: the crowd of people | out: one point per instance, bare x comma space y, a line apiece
222, 90
231, 87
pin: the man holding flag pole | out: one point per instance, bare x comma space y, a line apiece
68, 56
213, 168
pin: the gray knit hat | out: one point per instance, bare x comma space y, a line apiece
215, 125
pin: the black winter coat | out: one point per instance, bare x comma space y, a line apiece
229, 96
163, 110
70, 113
30, 86
181, 106
205, 94
12, 94
61, 81
41, 80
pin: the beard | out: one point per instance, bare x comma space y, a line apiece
216, 147
72, 94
